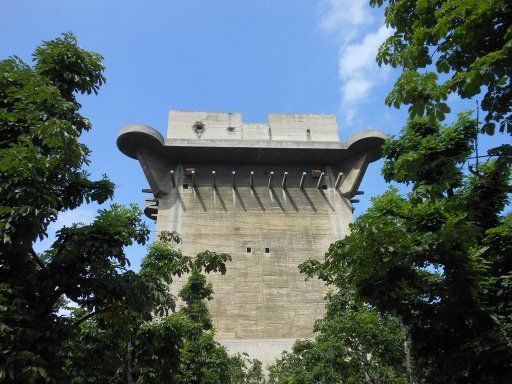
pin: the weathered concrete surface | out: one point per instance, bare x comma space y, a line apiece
303, 127
217, 124
262, 303
221, 151
265, 350
280, 126
262, 295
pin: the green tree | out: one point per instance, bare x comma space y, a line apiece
439, 258
354, 343
42, 174
461, 47
468, 42
112, 336
116, 329
176, 347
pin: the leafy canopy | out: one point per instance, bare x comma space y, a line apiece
439, 258
112, 335
354, 344
177, 347
462, 46
42, 174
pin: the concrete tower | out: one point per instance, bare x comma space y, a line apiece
271, 195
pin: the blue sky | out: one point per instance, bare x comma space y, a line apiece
253, 57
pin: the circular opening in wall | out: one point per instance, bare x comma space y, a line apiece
198, 127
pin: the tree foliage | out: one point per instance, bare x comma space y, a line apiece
439, 259
121, 328
42, 174
354, 344
469, 43
176, 347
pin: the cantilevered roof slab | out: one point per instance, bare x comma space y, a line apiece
258, 152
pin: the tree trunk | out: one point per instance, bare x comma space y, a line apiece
407, 352
128, 362
368, 378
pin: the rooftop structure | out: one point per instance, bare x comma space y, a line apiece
270, 194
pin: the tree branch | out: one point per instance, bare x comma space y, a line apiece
392, 212
52, 299
61, 246
88, 316
36, 258
489, 182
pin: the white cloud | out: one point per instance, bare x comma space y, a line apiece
341, 16
355, 89
358, 34
358, 71
79, 215
358, 57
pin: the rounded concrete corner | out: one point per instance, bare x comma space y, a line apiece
370, 141
134, 135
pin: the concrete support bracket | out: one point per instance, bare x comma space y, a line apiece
338, 180
320, 181
355, 172
283, 183
173, 179
302, 179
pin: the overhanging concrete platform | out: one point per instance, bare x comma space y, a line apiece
220, 151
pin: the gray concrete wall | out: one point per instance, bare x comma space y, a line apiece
265, 350
280, 126
303, 127
216, 125
262, 296
255, 131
